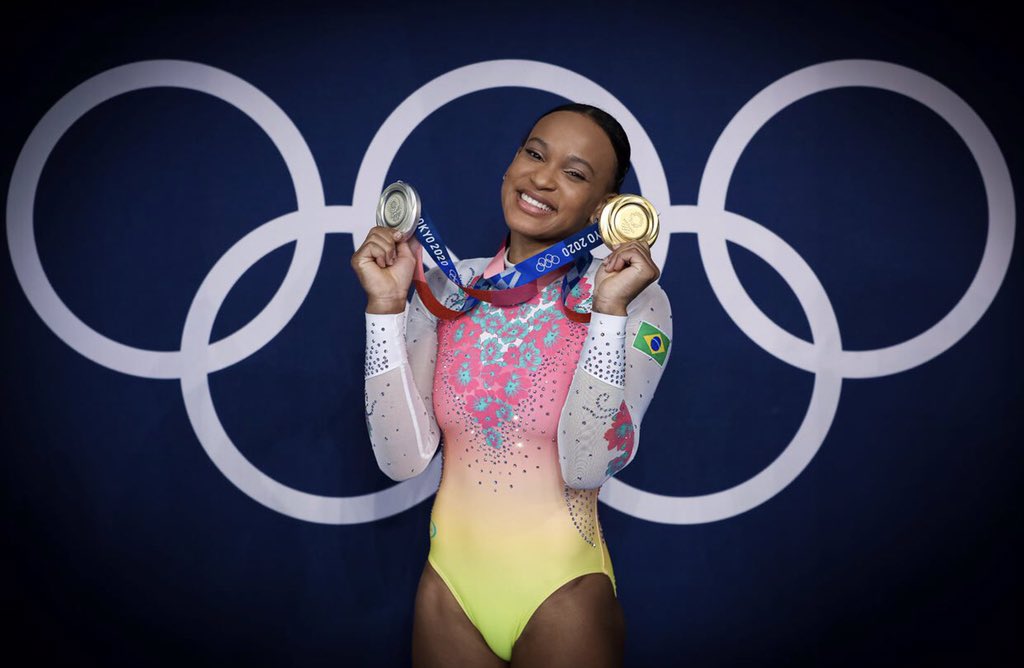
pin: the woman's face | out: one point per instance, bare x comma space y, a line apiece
558, 178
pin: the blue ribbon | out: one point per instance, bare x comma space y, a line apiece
570, 249
433, 244
575, 248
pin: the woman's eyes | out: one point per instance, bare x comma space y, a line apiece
572, 173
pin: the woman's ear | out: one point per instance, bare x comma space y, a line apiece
514, 156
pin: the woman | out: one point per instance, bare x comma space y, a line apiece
536, 409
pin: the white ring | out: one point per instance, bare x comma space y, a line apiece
726, 226
998, 191
21, 198
357, 220
195, 390
501, 74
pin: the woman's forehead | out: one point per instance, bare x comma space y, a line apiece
574, 133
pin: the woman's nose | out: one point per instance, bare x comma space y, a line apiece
543, 176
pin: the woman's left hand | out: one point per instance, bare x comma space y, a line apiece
622, 276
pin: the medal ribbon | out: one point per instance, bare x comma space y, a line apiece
518, 284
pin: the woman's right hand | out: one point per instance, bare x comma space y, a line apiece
385, 267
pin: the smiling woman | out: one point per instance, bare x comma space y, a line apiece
560, 175
535, 409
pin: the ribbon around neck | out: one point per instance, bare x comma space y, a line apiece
569, 258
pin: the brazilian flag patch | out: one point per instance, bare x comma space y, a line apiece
652, 342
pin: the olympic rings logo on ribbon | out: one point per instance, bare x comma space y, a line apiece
548, 261
198, 356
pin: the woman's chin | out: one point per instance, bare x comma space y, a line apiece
533, 234
532, 227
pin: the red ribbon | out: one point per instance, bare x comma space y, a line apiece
508, 297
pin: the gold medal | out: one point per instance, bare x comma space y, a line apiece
628, 218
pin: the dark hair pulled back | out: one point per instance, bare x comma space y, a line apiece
611, 127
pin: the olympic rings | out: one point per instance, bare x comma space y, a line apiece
198, 356
548, 261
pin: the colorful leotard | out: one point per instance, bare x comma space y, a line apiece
536, 412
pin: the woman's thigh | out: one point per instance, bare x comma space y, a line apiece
580, 624
442, 635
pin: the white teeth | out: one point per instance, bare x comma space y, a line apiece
529, 200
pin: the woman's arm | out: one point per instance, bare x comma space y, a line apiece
401, 347
401, 351
619, 369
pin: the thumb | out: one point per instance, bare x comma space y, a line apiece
406, 249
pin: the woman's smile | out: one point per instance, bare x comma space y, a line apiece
535, 205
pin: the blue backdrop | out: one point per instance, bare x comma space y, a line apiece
830, 471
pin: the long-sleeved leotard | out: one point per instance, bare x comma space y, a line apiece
536, 411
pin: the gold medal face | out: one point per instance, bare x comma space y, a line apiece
628, 218
399, 208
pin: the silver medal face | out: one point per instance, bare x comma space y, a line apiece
394, 209
399, 208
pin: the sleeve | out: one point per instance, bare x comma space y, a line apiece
619, 368
401, 352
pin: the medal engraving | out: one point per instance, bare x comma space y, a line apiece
628, 218
394, 210
399, 208
631, 223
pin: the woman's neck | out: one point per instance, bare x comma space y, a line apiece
520, 247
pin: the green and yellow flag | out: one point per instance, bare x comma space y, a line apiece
652, 342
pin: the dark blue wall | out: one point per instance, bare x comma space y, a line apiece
898, 544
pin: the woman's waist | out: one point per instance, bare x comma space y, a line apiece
530, 508
488, 531
527, 477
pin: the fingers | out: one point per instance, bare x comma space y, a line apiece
408, 248
382, 254
381, 246
635, 255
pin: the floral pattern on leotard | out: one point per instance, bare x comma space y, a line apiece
494, 373
497, 365
620, 437
581, 296
501, 382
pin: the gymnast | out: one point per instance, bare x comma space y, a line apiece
534, 408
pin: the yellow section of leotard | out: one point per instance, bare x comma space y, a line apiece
506, 532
